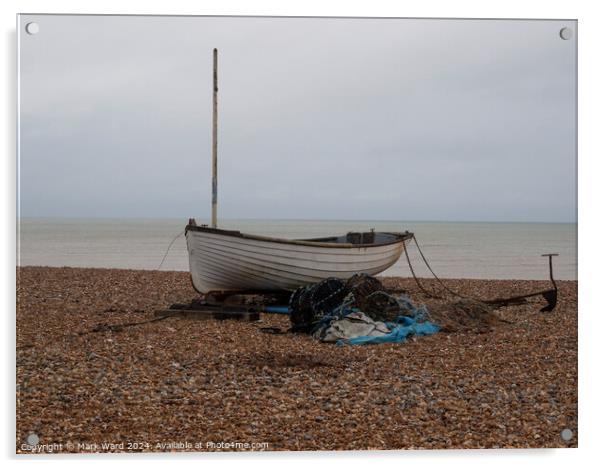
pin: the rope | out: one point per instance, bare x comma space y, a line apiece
420, 286
169, 247
441, 283
117, 327
549, 295
103, 327
451, 291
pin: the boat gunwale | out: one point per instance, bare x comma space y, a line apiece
399, 237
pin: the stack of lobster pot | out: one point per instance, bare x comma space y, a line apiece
308, 305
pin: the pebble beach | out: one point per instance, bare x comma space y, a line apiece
181, 384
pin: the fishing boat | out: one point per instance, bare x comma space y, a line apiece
226, 261
230, 261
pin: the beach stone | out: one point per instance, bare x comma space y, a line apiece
499, 386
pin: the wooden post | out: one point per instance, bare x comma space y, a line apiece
214, 149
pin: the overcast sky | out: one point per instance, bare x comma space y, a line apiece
319, 118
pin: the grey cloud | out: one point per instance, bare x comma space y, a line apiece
340, 119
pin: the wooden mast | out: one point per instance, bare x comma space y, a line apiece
214, 146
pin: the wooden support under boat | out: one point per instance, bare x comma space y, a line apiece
212, 312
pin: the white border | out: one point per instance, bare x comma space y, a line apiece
590, 77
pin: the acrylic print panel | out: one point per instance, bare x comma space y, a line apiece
342, 132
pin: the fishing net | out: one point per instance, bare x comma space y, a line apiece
380, 306
464, 315
316, 305
332, 298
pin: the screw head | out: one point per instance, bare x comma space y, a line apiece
32, 439
566, 434
566, 33
32, 28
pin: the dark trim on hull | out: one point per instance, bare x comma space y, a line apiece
320, 242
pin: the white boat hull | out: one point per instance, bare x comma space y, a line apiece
227, 261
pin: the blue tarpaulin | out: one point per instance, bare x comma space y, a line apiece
405, 326
412, 320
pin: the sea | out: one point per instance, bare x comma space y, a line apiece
453, 249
